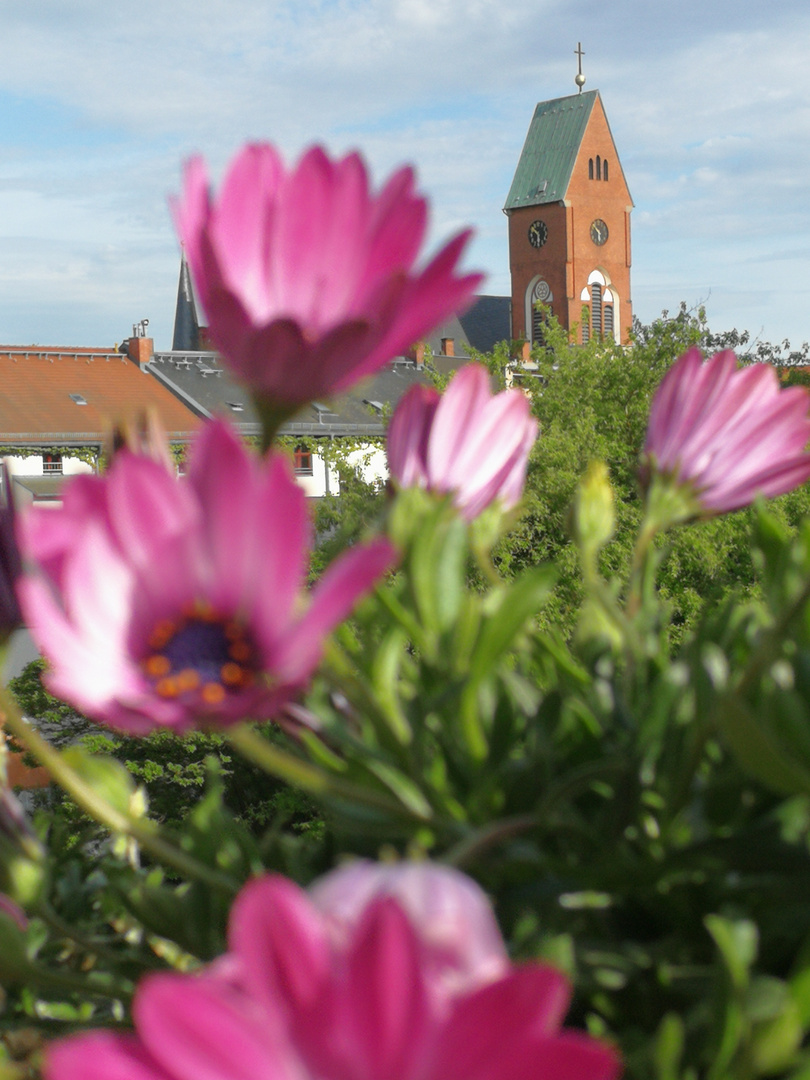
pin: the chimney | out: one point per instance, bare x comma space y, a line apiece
140, 349
448, 346
417, 354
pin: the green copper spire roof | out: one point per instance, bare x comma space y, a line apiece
550, 150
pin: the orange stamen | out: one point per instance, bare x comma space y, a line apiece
213, 693
231, 674
187, 679
167, 687
162, 633
157, 666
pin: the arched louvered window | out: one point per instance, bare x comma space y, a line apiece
590, 168
596, 308
598, 167
538, 293
607, 319
605, 169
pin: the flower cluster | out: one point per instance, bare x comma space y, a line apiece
307, 277
378, 975
468, 443
177, 603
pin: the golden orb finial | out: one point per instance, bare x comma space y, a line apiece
579, 78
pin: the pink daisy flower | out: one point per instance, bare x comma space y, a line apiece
172, 603
727, 434
294, 1004
468, 443
306, 276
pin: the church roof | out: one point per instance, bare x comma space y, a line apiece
186, 323
550, 150
487, 322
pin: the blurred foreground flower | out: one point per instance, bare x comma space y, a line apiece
10, 617
293, 1004
723, 436
461, 944
467, 442
160, 602
306, 277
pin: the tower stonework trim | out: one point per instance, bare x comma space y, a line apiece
583, 211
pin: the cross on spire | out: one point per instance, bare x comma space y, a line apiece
579, 78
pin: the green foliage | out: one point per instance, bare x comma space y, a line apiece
612, 738
171, 768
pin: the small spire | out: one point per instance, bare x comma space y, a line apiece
579, 78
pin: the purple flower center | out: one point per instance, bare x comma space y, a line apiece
202, 654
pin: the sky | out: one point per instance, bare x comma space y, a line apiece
100, 103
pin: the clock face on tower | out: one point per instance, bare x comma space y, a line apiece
538, 233
599, 232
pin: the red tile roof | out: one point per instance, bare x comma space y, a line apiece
36, 404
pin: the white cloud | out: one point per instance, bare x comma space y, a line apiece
708, 105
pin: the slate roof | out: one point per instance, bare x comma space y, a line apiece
487, 322
36, 406
549, 152
202, 382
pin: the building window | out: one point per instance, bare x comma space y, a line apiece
596, 308
590, 168
302, 461
607, 314
538, 292
52, 463
598, 167
605, 169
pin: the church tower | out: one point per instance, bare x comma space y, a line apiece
569, 223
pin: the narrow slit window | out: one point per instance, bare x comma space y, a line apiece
596, 308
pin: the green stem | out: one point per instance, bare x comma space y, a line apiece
404, 618
64, 929
468, 849
637, 569
102, 811
302, 774
50, 979
272, 415
772, 643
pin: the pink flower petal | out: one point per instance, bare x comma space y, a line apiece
279, 938
351, 575
199, 1029
383, 1010
102, 1056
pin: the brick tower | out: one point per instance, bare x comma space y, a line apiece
569, 223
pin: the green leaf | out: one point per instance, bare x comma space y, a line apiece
758, 750
737, 942
107, 777
515, 606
